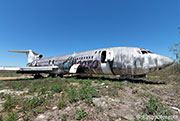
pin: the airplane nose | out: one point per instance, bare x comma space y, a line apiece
164, 61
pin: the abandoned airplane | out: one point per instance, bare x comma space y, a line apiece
108, 61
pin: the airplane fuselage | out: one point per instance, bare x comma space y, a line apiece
108, 61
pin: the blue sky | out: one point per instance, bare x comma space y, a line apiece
57, 27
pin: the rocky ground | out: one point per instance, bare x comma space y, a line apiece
156, 97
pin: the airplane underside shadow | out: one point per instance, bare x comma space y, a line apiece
132, 80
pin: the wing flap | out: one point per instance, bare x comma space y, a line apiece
43, 68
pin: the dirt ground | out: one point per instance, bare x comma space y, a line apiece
119, 100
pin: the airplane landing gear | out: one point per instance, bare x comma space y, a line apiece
52, 75
60, 75
38, 76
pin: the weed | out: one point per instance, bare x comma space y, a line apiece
142, 118
56, 88
80, 114
10, 103
11, 117
17, 87
35, 101
64, 117
99, 109
106, 82
86, 92
1, 118
112, 92
135, 91
42, 90
32, 89
4, 96
155, 107
61, 102
72, 94
86, 82
118, 85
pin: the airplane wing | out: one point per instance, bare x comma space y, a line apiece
30, 70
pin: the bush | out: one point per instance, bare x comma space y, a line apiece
80, 114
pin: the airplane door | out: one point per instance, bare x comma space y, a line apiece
106, 59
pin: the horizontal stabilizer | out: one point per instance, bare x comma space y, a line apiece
22, 51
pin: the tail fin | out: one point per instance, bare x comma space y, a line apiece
30, 54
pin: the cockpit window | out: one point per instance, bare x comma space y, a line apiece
143, 51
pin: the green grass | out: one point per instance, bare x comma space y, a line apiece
35, 101
18, 87
9, 74
72, 94
10, 103
1, 118
61, 102
11, 117
155, 107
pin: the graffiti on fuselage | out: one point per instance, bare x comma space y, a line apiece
86, 65
68, 63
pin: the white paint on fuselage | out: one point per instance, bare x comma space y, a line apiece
126, 61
